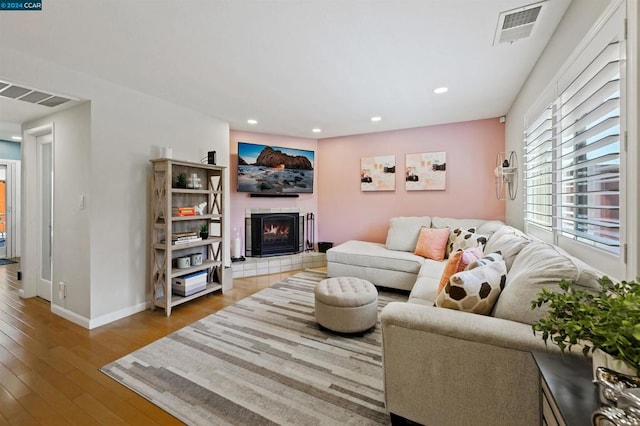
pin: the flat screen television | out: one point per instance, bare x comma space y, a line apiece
264, 169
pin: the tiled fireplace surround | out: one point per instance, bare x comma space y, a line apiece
253, 266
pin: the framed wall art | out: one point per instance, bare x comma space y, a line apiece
426, 171
378, 173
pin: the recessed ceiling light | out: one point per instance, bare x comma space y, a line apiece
16, 138
252, 121
441, 90
376, 118
316, 130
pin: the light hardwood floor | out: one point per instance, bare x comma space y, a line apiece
49, 366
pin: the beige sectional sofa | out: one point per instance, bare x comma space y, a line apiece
394, 264
448, 367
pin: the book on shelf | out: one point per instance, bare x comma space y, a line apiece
183, 211
186, 240
183, 235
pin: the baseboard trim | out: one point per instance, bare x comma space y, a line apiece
100, 321
70, 315
122, 313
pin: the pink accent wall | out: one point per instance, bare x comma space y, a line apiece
345, 213
240, 201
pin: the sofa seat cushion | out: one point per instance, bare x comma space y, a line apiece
540, 265
425, 289
374, 255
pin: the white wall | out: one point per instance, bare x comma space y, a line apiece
580, 17
127, 129
576, 23
72, 145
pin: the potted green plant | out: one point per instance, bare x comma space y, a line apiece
204, 231
608, 320
181, 180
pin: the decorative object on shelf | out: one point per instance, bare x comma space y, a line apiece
506, 173
196, 259
193, 181
378, 173
211, 157
181, 180
204, 231
236, 245
183, 262
425, 171
167, 152
200, 208
608, 320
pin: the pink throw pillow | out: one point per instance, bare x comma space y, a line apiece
471, 254
432, 243
457, 262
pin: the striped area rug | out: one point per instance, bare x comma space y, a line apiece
263, 361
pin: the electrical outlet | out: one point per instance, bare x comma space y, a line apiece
62, 290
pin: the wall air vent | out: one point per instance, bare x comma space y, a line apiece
13, 91
517, 24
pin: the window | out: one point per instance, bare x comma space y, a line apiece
573, 154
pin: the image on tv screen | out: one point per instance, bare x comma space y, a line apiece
272, 169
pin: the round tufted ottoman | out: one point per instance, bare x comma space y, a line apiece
346, 304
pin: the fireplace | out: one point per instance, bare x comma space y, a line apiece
273, 234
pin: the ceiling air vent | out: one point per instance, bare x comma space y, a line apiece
13, 91
517, 24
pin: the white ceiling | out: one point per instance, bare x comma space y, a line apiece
292, 64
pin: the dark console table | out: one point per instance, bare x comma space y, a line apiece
569, 396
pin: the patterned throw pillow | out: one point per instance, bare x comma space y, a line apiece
475, 290
460, 239
486, 259
458, 262
432, 243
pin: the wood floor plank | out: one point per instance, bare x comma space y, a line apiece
49, 367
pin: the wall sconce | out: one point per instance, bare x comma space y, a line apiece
506, 173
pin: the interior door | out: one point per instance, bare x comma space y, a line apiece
45, 213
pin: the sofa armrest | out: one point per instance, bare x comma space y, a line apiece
447, 367
464, 325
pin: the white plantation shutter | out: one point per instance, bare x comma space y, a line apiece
538, 172
587, 154
573, 153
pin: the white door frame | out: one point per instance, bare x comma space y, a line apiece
29, 258
12, 225
45, 216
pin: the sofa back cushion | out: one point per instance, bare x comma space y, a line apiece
489, 227
447, 222
404, 231
540, 265
508, 241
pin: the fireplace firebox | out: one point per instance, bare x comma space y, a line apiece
272, 234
